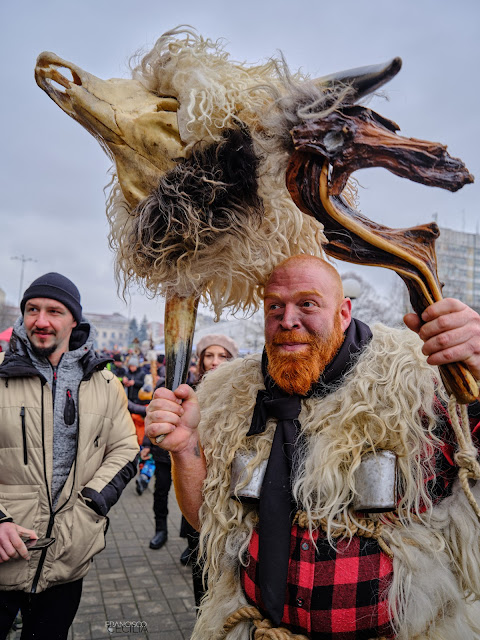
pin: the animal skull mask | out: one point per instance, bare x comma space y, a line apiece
186, 98
136, 128
201, 146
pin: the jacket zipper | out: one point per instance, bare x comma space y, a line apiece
54, 384
52, 515
24, 436
42, 557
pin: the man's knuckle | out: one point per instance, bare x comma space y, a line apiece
443, 323
449, 354
443, 340
472, 349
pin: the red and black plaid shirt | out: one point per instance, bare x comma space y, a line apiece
340, 592
331, 592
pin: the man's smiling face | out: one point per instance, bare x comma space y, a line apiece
305, 319
49, 325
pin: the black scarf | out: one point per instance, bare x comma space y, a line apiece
276, 502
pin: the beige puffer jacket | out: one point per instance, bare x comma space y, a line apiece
104, 464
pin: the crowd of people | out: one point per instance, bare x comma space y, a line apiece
140, 377
265, 453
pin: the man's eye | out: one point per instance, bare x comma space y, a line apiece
308, 303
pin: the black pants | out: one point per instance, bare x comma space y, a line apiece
192, 536
47, 615
163, 482
197, 568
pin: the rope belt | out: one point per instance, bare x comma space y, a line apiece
263, 626
363, 527
466, 456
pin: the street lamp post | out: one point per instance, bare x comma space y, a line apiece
23, 260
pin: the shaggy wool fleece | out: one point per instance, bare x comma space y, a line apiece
385, 402
215, 95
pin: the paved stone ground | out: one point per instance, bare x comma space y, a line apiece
130, 583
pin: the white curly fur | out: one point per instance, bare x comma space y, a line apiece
436, 587
379, 406
216, 94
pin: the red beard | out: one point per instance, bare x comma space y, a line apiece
296, 372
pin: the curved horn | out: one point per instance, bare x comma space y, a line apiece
363, 80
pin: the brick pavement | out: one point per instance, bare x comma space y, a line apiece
128, 582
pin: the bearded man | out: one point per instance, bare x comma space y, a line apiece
67, 450
326, 393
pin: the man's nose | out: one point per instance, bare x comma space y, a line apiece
42, 319
290, 319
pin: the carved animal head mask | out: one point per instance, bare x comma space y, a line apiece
201, 147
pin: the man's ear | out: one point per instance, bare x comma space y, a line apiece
345, 313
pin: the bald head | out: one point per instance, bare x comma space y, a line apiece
318, 268
306, 315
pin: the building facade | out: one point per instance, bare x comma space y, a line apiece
112, 330
8, 312
155, 332
458, 258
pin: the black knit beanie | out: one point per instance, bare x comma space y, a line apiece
57, 287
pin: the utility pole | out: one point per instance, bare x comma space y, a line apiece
23, 260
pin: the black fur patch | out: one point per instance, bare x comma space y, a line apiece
212, 192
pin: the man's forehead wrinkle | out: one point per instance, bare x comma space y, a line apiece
307, 292
310, 292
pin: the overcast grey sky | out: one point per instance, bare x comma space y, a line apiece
52, 205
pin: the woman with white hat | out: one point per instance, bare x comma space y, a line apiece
212, 350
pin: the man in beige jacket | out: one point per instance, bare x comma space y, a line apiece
67, 450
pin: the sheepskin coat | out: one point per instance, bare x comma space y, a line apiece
385, 402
